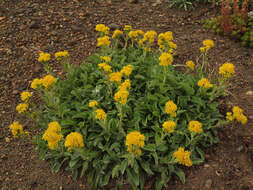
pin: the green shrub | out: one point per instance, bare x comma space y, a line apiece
127, 112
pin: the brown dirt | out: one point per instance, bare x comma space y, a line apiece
30, 26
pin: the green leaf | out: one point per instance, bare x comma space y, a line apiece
123, 166
84, 168
133, 178
115, 171
145, 166
180, 174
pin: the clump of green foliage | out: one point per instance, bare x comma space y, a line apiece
234, 21
126, 112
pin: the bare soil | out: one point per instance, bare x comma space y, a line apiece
31, 26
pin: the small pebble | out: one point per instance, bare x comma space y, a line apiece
208, 184
7, 139
249, 93
240, 148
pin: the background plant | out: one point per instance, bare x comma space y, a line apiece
127, 112
234, 20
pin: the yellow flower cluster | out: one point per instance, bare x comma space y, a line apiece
61, 54
121, 96
16, 129
190, 64
237, 114
171, 108
204, 83
44, 57
100, 114
22, 107
125, 85
46, 82
36, 83
102, 28
25, 96
117, 33
135, 34
105, 58
52, 135
127, 28
150, 36
73, 140
207, 45
105, 67
135, 141
166, 59
115, 77
126, 70
93, 103
103, 41
183, 156
169, 126
227, 70
195, 127
165, 41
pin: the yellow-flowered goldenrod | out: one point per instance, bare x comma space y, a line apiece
227, 70
100, 114
121, 96
36, 83
48, 81
126, 70
93, 103
195, 127
190, 64
44, 57
61, 54
22, 107
204, 82
73, 140
183, 156
25, 96
135, 141
103, 41
16, 129
115, 77
171, 108
117, 33
166, 59
102, 28
169, 126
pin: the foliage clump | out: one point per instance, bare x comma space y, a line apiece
235, 20
127, 112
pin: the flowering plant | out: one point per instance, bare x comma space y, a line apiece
127, 112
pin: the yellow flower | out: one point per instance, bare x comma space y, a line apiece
127, 28
102, 28
195, 127
54, 126
25, 96
166, 59
172, 45
227, 70
134, 150
203, 49
48, 81
116, 33
44, 57
208, 43
52, 135
125, 85
168, 126
61, 54
93, 103
115, 77
74, 140
35, 83
100, 114
105, 58
204, 83
135, 138
150, 36
127, 70
238, 115
229, 116
22, 107
105, 67
16, 129
183, 157
171, 108
190, 64
135, 33
103, 41
121, 96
